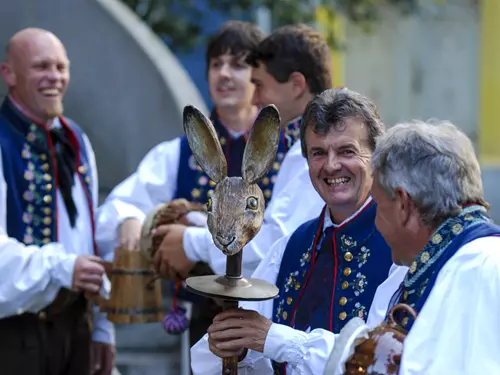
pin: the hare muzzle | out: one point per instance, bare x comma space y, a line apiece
235, 214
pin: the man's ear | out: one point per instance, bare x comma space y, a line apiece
298, 83
7, 74
404, 205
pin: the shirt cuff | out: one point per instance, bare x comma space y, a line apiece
62, 272
104, 330
283, 344
194, 243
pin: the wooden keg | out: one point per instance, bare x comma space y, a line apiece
135, 290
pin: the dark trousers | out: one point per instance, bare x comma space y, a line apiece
57, 345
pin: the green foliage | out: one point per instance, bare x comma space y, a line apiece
176, 21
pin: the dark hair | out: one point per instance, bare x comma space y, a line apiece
296, 48
331, 108
235, 37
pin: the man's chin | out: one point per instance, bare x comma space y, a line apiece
53, 111
226, 103
340, 199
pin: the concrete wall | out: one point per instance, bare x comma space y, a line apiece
127, 90
422, 66
425, 66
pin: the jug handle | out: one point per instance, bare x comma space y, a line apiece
404, 307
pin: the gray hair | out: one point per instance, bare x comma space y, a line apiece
435, 163
330, 109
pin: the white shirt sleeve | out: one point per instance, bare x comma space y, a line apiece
294, 202
457, 330
154, 182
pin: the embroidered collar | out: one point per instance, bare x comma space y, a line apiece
441, 239
291, 132
328, 222
222, 130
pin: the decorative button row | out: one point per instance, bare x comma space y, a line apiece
345, 284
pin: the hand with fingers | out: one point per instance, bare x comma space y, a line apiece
88, 274
103, 358
235, 331
170, 260
129, 233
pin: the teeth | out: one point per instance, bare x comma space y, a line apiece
51, 92
337, 181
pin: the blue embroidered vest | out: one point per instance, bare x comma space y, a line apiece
472, 223
194, 185
28, 162
310, 297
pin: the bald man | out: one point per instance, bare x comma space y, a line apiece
48, 193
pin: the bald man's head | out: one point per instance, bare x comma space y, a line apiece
36, 71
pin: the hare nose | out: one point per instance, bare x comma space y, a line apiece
225, 241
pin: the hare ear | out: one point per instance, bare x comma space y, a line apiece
204, 143
262, 145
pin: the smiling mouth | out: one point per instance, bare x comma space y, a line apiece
50, 93
337, 181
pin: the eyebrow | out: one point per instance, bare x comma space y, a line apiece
348, 145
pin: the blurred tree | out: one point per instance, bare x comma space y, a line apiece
177, 21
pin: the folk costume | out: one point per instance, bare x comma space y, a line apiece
326, 275
48, 193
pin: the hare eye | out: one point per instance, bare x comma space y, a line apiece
209, 205
252, 203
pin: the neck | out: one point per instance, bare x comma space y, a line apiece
415, 242
27, 113
237, 120
339, 213
298, 109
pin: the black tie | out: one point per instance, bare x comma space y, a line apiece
66, 167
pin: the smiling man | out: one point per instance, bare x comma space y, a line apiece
48, 192
328, 270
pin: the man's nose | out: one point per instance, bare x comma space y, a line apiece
225, 70
332, 163
256, 99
